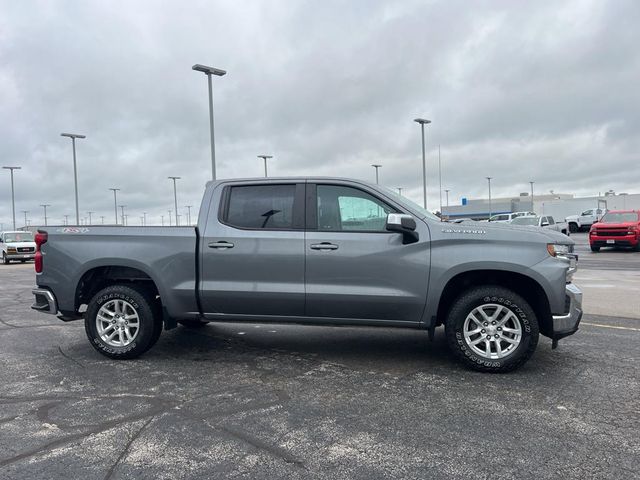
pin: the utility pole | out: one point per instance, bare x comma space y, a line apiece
115, 202
45, 205
175, 199
265, 157
13, 196
73, 137
208, 71
376, 167
423, 122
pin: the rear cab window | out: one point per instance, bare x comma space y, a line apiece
264, 207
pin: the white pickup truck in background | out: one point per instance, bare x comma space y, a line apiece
545, 221
585, 219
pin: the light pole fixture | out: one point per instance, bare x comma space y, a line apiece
90, 213
423, 122
208, 71
447, 192
188, 207
13, 197
376, 167
115, 202
25, 216
45, 205
175, 199
265, 157
531, 183
489, 180
122, 210
73, 137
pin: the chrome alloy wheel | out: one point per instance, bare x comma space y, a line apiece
492, 331
117, 323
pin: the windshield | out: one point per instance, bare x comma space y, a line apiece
620, 217
411, 203
525, 221
18, 237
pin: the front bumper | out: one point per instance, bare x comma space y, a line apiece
567, 323
20, 256
613, 240
45, 301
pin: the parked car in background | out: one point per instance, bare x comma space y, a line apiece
508, 217
620, 228
585, 219
17, 246
546, 221
460, 220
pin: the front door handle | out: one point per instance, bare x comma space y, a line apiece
222, 245
324, 246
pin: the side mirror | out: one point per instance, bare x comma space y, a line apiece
404, 224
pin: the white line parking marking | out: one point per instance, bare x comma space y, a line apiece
610, 326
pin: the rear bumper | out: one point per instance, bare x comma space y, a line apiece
567, 323
45, 301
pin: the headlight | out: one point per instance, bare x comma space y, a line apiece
11, 250
556, 250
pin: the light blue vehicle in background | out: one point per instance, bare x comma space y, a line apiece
316, 251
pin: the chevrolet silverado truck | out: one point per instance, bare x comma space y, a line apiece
616, 229
314, 251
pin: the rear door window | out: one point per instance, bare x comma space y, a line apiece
261, 207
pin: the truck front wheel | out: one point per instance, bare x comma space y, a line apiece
123, 322
573, 227
492, 329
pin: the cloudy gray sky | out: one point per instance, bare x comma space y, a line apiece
544, 91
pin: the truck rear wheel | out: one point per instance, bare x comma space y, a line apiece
123, 322
492, 329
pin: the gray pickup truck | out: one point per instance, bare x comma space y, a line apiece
315, 251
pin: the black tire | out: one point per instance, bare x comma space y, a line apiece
475, 297
573, 227
595, 249
192, 323
150, 320
5, 260
22, 261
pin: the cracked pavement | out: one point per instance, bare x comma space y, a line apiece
273, 401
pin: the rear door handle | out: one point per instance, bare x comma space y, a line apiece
222, 245
324, 246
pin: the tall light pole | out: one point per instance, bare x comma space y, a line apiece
13, 197
423, 122
25, 216
162, 219
115, 202
489, 180
73, 137
531, 183
447, 192
265, 157
188, 213
45, 205
101, 219
90, 213
399, 191
208, 71
169, 217
440, 179
122, 210
175, 198
376, 167
66, 219
144, 219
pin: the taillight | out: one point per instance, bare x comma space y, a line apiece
41, 239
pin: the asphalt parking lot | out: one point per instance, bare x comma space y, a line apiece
255, 401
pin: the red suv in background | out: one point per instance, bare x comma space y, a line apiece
619, 228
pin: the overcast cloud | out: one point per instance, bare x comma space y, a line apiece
544, 91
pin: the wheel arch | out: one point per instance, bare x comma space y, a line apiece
525, 286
